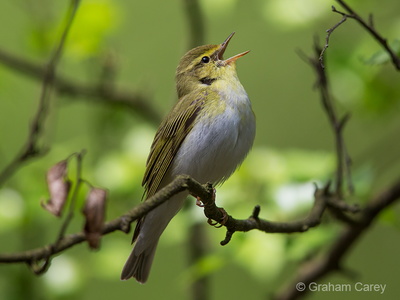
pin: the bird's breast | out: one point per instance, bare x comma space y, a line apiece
219, 140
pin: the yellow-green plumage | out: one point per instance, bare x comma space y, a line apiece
206, 135
172, 132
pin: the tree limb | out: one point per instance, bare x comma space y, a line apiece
180, 184
332, 260
88, 92
122, 224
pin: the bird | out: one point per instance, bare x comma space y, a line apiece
206, 135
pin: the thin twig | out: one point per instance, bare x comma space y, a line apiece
32, 147
330, 31
337, 125
74, 196
369, 26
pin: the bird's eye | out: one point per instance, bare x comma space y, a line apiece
205, 59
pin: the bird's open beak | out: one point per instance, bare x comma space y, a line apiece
222, 48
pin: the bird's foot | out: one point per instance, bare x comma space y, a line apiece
223, 221
212, 222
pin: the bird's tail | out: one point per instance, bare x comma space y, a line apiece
138, 264
148, 232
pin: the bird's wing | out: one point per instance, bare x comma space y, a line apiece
169, 137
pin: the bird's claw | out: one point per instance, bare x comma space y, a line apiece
223, 221
212, 222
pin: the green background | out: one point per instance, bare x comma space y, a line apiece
143, 41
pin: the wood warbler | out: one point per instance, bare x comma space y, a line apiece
206, 135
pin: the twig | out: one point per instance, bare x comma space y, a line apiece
31, 148
337, 124
322, 196
369, 26
330, 31
39, 267
343, 159
78, 183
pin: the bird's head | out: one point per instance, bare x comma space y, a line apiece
204, 65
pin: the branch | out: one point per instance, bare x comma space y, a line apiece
322, 197
57, 201
369, 26
31, 148
180, 184
122, 224
88, 92
332, 261
343, 161
337, 124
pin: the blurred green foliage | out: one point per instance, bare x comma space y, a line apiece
293, 150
